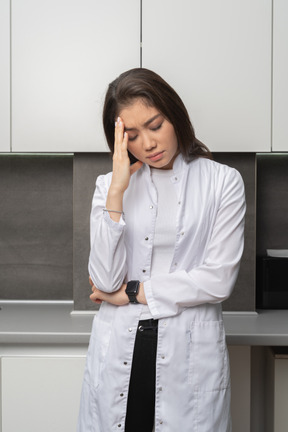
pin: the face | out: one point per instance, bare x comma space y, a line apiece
151, 138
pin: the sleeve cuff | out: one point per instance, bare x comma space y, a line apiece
117, 226
150, 300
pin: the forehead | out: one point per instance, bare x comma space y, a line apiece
138, 111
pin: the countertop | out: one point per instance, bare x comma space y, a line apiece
56, 323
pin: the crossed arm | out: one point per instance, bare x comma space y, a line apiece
118, 298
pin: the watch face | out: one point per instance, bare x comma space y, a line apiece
132, 290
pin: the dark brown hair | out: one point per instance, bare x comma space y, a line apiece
144, 84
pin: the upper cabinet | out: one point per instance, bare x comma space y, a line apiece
280, 74
64, 54
4, 76
217, 56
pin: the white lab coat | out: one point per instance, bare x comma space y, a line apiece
192, 366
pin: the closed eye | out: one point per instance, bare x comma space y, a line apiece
133, 138
153, 129
156, 127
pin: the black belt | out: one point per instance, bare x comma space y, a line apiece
149, 324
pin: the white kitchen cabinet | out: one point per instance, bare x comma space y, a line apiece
280, 393
240, 367
217, 55
276, 385
4, 76
64, 54
280, 73
41, 393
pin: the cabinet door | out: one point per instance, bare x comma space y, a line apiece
281, 394
240, 371
4, 75
64, 54
217, 56
41, 394
280, 73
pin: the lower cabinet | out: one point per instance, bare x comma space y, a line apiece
40, 393
240, 369
276, 384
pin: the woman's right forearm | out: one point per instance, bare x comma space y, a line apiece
114, 203
122, 172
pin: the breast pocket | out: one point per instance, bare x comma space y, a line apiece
97, 351
208, 357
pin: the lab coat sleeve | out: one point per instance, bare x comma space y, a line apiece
213, 280
107, 260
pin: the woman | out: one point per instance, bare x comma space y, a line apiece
166, 241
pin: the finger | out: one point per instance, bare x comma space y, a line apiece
95, 295
119, 134
135, 167
96, 292
90, 281
122, 138
125, 142
95, 300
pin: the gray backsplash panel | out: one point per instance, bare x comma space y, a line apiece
36, 227
44, 226
243, 296
88, 166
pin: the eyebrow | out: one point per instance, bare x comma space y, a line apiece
146, 123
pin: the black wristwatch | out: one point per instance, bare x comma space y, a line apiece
132, 290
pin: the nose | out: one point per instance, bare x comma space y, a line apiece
148, 143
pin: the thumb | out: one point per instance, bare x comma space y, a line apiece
135, 167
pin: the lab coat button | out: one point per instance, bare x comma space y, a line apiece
119, 425
125, 363
182, 233
161, 421
121, 394
146, 238
163, 357
130, 329
144, 271
160, 388
151, 207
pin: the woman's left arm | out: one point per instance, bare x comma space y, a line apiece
213, 280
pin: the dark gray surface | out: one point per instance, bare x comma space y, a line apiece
36, 226
272, 202
243, 296
36, 218
87, 167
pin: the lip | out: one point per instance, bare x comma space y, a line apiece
156, 156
